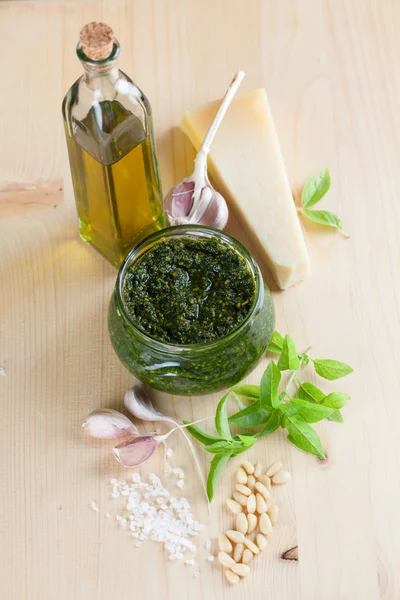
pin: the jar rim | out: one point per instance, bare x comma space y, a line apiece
181, 230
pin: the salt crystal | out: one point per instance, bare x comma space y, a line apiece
196, 574
115, 494
136, 477
211, 558
180, 483
189, 562
138, 544
207, 545
178, 471
169, 452
108, 516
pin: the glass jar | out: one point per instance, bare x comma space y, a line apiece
199, 368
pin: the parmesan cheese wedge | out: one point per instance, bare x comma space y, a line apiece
246, 163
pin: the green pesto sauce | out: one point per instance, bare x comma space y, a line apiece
189, 291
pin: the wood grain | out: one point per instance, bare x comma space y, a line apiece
331, 71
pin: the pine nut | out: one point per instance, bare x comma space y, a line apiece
251, 522
265, 524
243, 489
261, 541
232, 577
251, 503
281, 477
251, 546
234, 536
240, 498
266, 481
233, 506
241, 523
274, 468
261, 505
247, 556
248, 467
251, 482
225, 560
224, 544
241, 570
263, 491
273, 513
241, 476
258, 469
238, 552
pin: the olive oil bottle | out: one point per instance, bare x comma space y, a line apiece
112, 154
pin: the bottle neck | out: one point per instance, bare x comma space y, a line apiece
96, 77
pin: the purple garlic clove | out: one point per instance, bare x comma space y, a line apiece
136, 451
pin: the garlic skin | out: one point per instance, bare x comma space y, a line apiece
108, 424
212, 210
136, 451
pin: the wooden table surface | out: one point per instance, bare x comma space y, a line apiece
331, 69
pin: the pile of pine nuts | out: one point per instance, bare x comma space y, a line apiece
255, 515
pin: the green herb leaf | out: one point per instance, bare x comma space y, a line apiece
323, 217
200, 435
336, 400
308, 391
312, 412
269, 386
289, 409
216, 467
276, 343
271, 425
288, 359
331, 369
238, 401
247, 440
221, 418
221, 447
336, 416
316, 188
302, 435
246, 390
251, 416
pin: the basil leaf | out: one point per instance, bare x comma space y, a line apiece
288, 359
221, 418
302, 435
331, 369
312, 412
246, 390
247, 440
323, 217
240, 404
336, 416
336, 400
269, 386
216, 467
219, 447
308, 391
251, 416
271, 425
289, 409
316, 188
201, 436
276, 343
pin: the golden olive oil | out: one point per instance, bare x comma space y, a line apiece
115, 179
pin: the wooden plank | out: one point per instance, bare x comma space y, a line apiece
330, 69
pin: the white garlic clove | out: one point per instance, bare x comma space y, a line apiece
106, 423
136, 451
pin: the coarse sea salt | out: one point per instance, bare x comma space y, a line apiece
154, 514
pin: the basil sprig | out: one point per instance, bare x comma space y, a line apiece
273, 404
313, 191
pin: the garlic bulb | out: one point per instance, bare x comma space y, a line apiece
194, 200
106, 423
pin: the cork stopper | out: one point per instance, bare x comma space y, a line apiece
97, 40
